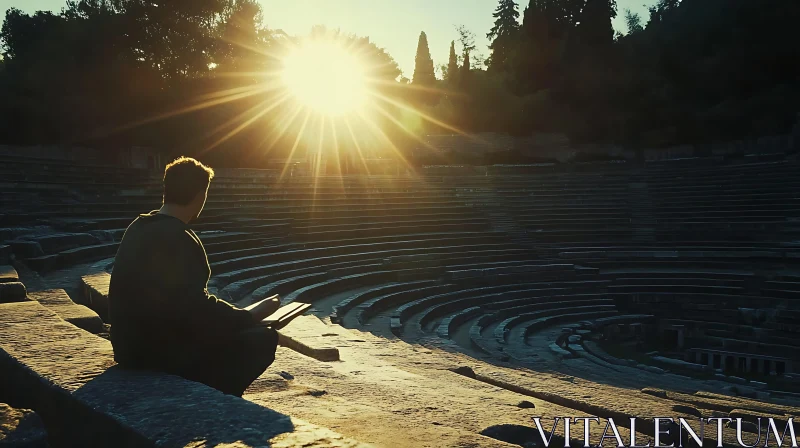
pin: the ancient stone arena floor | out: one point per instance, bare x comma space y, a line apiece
448, 310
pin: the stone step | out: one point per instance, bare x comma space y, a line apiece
70, 375
12, 292
59, 301
21, 428
8, 274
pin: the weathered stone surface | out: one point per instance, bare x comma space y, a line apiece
95, 291
305, 335
12, 292
464, 370
5, 253
51, 365
8, 274
26, 249
59, 301
21, 428
44, 263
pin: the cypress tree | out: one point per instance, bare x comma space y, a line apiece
452, 65
503, 34
423, 64
595, 28
463, 77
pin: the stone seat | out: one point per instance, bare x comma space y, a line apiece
546, 309
386, 216
346, 305
679, 280
21, 428
450, 323
751, 190
636, 272
674, 288
575, 223
656, 254
247, 277
312, 234
453, 260
437, 305
369, 308
66, 374
58, 301
699, 264
253, 226
489, 298
247, 242
537, 296
344, 247
12, 291
57, 242
341, 283
554, 319
696, 200
692, 300
525, 268
299, 285
237, 290
312, 226
574, 213
73, 256
8, 274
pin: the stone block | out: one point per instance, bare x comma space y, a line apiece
44, 263
8, 274
95, 291
5, 253
59, 301
26, 249
69, 376
560, 352
21, 428
396, 326
12, 292
325, 354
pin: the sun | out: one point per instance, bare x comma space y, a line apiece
325, 77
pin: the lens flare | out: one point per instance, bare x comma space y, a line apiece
325, 77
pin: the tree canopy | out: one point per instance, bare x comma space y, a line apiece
180, 75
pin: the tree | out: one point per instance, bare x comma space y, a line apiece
595, 28
661, 10
423, 64
464, 76
503, 35
467, 40
451, 73
633, 21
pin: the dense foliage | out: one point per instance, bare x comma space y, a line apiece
696, 71
178, 75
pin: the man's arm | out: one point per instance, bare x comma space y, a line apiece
204, 311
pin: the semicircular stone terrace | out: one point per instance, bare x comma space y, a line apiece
683, 276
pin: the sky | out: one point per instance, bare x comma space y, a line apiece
391, 24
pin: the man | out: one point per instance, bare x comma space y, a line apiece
162, 316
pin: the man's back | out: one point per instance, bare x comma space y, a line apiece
159, 308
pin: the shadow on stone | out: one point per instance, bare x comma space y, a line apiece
171, 411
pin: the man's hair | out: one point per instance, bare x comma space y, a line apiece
184, 179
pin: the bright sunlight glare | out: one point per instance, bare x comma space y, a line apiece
325, 77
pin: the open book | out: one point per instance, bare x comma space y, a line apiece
281, 316
285, 314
